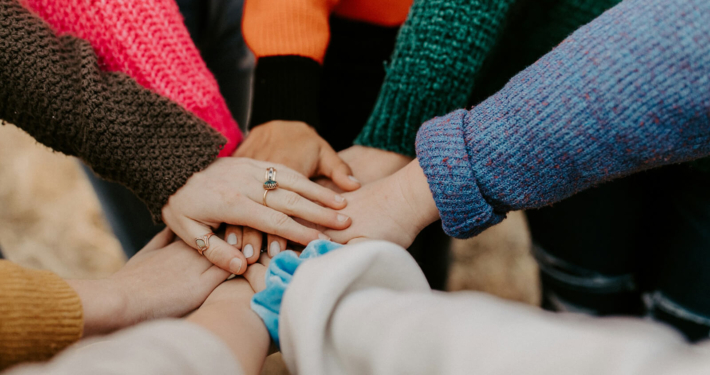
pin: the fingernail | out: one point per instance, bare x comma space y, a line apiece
352, 178
323, 237
232, 239
235, 266
274, 249
248, 251
339, 198
342, 218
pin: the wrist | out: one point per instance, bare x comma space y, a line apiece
103, 304
418, 197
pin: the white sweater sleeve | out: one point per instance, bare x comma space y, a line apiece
174, 347
366, 309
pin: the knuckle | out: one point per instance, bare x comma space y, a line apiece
292, 201
280, 219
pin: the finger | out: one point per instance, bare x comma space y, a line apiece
296, 182
220, 253
275, 245
278, 223
252, 244
333, 167
233, 236
293, 204
255, 276
162, 239
264, 260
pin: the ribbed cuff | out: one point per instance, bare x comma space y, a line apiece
442, 154
40, 314
286, 88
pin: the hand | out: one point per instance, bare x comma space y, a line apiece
298, 146
395, 209
370, 164
231, 191
162, 280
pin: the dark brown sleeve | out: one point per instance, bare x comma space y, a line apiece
52, 88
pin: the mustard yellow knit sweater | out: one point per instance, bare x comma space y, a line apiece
40, 314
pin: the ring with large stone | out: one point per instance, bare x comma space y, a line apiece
270, 177
203, 244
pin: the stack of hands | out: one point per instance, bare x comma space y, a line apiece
358, 193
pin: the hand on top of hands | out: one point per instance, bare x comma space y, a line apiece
298, 146
231, 191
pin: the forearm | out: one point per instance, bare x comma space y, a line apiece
53, 89
439, 50
625, 93
244, 332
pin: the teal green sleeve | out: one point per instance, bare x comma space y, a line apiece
439, 49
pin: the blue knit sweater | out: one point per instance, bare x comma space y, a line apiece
627, 92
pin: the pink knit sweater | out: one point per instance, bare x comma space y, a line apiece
147, 40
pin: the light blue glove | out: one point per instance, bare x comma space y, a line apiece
267, 303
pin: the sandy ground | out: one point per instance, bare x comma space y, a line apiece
51, 219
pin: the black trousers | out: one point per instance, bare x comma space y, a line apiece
637, 246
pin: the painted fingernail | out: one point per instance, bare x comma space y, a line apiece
352, 178
248, 251
235, 266
342, 218
339, 198
232, 239
323, 237
274, 249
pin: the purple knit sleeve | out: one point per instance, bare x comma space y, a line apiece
629, 91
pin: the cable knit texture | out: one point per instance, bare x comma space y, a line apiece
147, 40
40, 314
628, 92
449, 51
53, 89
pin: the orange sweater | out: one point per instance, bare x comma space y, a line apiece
40, 314
300, 27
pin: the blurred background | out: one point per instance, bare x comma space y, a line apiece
51, 219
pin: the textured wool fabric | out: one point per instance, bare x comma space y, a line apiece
40, 314
53, 89
628, 92
147, 40
440, 47
432, 74
300, 27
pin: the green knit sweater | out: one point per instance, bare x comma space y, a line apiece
451, 53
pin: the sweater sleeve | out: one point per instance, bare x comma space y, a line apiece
440, 48
289, 39
367, 309
629, 91
147, 40
40, 314
165, 346
53, 89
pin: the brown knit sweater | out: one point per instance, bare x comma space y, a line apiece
52, 88
40, 314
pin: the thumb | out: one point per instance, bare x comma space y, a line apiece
160, 240
333, 167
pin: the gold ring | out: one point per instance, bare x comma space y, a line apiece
266, 191
270, 180
203, 244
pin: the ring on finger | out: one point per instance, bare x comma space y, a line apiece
203, 243
270, 179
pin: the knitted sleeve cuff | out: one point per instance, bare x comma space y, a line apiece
442, 154
286, 88
40, 314
267, 303
439, 50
